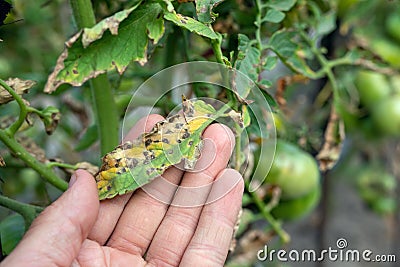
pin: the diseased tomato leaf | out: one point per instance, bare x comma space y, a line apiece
204, 10
135, 163
191, 24
111, 44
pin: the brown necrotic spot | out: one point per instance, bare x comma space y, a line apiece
122, 170
127, 145
185, 135
132, 163
150, 170
165, 140
74, 71
178, 125
147, 142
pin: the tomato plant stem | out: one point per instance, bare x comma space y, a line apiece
106, 113
46, 172
276, 226
103, 100
27, 211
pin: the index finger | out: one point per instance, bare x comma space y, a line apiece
111, 209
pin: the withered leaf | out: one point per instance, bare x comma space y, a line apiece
19, 86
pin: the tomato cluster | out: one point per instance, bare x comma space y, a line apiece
380, 99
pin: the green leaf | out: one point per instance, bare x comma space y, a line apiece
248, 58
110, 51
270, 63
326, 23
191, 24
204, 10
270, 99
12, 228
285, 45
247, 63
281, 42
111, 23
265, 83
274, 16
282, 5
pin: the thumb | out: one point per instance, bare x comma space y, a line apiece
56, 235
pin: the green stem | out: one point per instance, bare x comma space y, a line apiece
106, 112
216, 46
258, 23
27, 211
61, 165
23, 109
104, 104
83, 13
276, 226
46, 172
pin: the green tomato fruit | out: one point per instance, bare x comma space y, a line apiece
392, 25
378, 189
386, 115
293, 170
384, 205
299, 207
371, 86
388, 50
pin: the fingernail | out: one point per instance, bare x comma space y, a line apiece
72, 180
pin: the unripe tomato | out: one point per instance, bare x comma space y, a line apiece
392, 25
386, 115
378, 189
388, 50
371, 86
293, 170
296, 208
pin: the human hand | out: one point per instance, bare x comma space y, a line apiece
137, 229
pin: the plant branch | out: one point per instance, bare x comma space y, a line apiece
46, 172
216, 46
276, 226
28, 212
62, 165
258, 23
